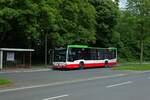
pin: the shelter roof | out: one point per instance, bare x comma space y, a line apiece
15, 49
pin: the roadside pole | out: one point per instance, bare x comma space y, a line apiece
46, 49
1, 60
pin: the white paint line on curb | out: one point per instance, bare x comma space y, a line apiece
26, 71
56, 97
124, 83
64, 82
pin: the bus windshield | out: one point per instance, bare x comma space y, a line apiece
60, 55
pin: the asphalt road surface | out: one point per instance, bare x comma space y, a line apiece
91, 84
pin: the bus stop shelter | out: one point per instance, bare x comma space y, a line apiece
12, 57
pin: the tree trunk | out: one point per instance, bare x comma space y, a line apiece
142, 51
2, 37
46, 49
142, 42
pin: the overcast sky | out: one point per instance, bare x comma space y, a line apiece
122, 3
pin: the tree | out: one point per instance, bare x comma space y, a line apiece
18, 22
76, 23
106, 18
126, 41
140, 9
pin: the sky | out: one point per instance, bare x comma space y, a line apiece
122, 3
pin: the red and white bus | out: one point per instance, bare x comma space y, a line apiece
82, 56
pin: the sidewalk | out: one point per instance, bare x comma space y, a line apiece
20, 70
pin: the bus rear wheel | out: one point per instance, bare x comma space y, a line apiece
81, 65
106, 64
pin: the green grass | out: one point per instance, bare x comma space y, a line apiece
133, 67
4, 81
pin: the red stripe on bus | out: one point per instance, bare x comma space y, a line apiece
72, 66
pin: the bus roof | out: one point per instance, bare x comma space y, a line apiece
78, 46
85, 46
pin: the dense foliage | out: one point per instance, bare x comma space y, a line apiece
134, 29
65, 22
106, 18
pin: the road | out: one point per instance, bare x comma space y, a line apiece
91, 84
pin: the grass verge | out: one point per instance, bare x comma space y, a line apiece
4, 81
133, 67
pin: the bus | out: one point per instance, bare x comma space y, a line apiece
83, 56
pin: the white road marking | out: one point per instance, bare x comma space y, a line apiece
124, 83
24, 71
64, 82
148, 78
37, 70
56, 97
142, 72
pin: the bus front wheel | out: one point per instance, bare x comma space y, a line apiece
81, 65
